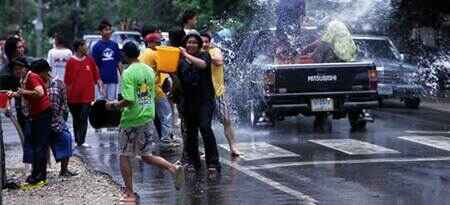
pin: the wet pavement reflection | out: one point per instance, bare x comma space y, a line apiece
281, 165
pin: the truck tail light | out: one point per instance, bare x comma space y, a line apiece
269, 81
373, 79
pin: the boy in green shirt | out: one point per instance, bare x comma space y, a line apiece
137, 136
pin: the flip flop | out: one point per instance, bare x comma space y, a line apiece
27, 187
129, 200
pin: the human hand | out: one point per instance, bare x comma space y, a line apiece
183, 51
109, 105
12, 94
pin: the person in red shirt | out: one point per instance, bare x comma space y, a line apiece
35, 92
80, 78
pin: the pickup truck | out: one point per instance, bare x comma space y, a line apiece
337, 89
397, 78
276, 91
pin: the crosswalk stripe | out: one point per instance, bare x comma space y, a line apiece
354, 147
260, 150
425, 132
439, 142
352, 161
303, 198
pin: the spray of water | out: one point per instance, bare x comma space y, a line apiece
244, 50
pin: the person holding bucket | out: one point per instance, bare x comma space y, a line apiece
137, 134
197, 107
163, 120
35, 92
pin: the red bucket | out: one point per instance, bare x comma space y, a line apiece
4, 101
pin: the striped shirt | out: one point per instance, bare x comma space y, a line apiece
58, 100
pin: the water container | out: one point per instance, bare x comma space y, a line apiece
4, 101
99, 117
167, 59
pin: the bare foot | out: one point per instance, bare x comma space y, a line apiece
234, 152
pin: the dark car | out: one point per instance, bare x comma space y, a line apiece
397, 78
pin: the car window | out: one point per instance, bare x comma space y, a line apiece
124, 37
375, 48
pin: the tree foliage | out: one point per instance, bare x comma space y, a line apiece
68, 20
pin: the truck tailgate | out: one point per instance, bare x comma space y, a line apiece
332, 77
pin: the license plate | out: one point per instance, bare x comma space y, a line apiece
322, 105
385, 90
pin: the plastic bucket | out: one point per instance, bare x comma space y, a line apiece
4, 101
167, 59
99, 117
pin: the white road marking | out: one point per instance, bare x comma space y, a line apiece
355, 161
354, 147
439, 142
424, 132
260, 150
304, 199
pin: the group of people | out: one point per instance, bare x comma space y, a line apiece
70, 80
41, 110
197, 91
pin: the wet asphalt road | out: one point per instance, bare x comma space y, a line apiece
402, 158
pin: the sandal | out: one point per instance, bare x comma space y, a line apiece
129, 199
213, 172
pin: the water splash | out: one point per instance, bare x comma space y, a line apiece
246, 48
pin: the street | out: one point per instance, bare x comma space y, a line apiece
402, 158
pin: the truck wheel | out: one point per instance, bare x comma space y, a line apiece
356, 121
412, 103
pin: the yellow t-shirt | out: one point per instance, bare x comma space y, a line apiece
338, 35
217, 73
149, 57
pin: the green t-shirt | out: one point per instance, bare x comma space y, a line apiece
138, 87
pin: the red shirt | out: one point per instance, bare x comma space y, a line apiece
37, 105
80, 78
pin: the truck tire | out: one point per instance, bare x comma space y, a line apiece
412, 103
354, 118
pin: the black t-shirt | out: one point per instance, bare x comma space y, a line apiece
8, 80
176, 37
196, 82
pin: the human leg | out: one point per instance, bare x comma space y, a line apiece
191, 141
40, 141
111, 91
164, 114
84, 115
225, 119
75, 110
127, 176
209, 140
159, 162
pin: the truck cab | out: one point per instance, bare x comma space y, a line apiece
397, 78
